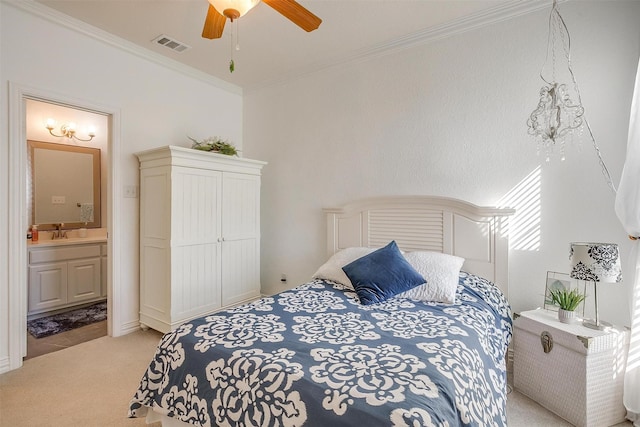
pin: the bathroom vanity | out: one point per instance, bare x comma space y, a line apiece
66, 272
67, 266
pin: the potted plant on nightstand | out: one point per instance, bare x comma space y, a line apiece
568, 300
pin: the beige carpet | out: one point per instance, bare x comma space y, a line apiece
86, 385
91, 384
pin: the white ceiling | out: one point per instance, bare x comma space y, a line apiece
273, 49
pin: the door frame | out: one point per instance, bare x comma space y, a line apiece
17, 218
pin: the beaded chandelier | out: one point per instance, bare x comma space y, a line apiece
559, 114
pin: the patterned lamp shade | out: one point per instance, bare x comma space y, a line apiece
596, 262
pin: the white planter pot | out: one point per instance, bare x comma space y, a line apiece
566, 316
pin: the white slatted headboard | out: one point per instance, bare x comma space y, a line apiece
428, 223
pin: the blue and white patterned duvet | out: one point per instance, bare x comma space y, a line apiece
315, 356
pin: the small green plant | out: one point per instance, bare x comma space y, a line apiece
567, 299
215, 144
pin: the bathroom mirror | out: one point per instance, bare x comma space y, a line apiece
65, 185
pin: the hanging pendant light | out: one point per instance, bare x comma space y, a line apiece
560, 115
557, 115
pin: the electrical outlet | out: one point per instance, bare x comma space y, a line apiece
58, 200
283, 277
131, 191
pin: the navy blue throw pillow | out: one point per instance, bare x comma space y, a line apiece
382, 274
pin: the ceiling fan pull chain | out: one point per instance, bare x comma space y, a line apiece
234, 26
237, 32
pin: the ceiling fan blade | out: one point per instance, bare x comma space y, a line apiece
296, 13
213, 24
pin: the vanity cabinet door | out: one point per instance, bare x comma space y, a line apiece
66, 275
84, 280
47, 285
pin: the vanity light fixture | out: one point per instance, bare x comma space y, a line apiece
68, 130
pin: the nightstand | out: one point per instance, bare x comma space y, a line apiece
573, 371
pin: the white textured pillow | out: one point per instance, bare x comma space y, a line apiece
440, 271
332, 269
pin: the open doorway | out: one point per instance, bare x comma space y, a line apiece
67, 174
19, 220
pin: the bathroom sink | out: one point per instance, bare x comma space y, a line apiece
69, 241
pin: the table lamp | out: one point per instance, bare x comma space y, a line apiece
597, 263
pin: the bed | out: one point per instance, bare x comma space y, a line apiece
407, 323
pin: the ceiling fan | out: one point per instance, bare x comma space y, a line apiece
220, 10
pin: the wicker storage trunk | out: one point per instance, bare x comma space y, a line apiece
580, 378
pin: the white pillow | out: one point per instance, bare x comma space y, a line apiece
332, 269
440, 271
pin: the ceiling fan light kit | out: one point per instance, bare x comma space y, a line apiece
220, 10
234, 9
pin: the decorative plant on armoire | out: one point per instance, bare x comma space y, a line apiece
215, 144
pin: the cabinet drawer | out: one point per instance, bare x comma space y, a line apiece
64, 253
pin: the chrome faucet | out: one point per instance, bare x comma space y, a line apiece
59, 233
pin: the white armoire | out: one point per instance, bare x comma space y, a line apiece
199, 234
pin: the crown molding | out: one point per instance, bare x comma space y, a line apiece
510, 10
500, 13
52, 15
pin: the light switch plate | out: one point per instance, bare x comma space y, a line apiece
131, 191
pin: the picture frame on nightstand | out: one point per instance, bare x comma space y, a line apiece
557, 280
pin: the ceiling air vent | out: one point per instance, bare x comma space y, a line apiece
171, 43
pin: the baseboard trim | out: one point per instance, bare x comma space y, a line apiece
4, 365
129, 327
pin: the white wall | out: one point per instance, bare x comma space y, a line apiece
157, 106
449, 118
